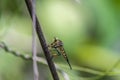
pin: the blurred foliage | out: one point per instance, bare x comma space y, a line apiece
88, 28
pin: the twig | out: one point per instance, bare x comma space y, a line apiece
43, 43
65, 75
25, 57
28, 57
34, 53
42, 60
113, 67
109, 71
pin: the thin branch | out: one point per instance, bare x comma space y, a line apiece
25, 57
42, 60
34, 45
109, 72
28, 57
43, 43
113, 67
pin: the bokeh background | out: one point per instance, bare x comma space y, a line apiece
89, 29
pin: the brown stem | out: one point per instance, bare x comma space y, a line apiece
43, 43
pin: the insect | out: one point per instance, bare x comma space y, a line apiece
58, 46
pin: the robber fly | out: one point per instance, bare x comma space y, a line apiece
58, 46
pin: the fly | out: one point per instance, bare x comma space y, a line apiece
58, 46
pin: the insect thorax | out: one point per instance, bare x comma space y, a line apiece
56, 44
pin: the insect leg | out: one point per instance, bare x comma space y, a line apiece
55, 54
58, 52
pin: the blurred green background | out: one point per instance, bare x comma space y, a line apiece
89, 29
